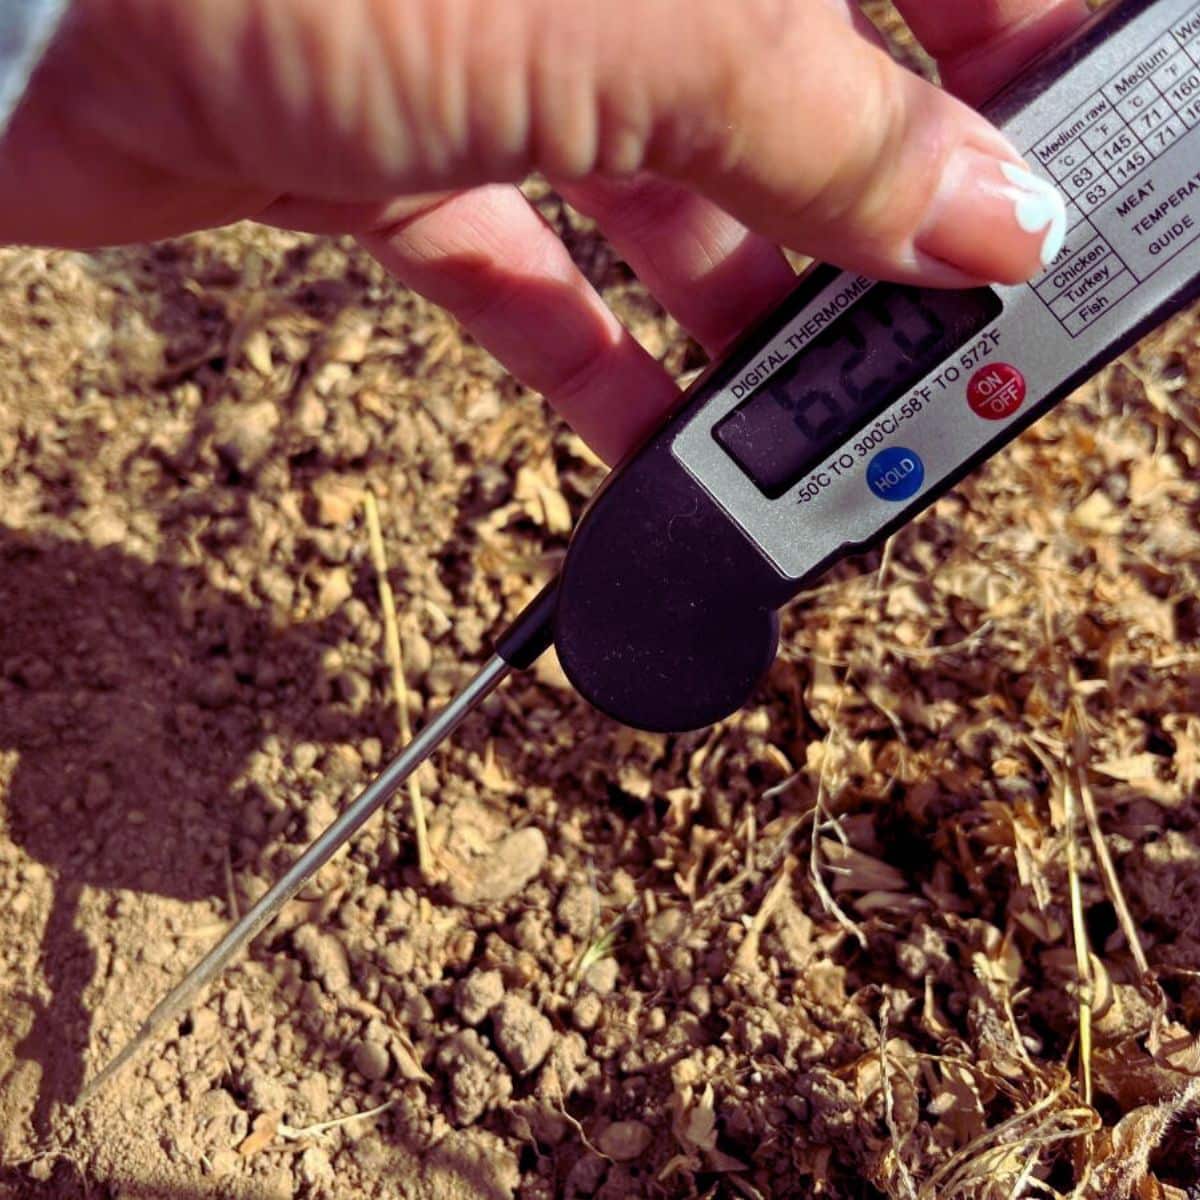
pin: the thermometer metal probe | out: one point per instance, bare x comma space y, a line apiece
835, 420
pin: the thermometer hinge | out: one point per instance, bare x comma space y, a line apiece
666, 613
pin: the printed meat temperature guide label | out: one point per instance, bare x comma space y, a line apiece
1130, 210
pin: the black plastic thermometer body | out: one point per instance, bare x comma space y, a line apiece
854, 405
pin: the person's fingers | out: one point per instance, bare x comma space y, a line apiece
851, 158
979, 46
705, 268
855, 159
488, 258
777, 110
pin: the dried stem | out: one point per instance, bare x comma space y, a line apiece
1079, 939
291, 1134
1032, 1128
889, 1114
1112, 885
821, 821
391, 641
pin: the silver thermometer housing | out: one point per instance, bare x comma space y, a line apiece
1118, 132
767, 474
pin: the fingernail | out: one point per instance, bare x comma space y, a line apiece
994, 219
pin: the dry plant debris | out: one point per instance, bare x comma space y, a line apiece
395, 657
629, 975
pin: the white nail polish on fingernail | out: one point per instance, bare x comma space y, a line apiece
1038, 205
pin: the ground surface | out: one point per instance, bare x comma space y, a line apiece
825, 948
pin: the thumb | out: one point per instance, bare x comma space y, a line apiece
808, 132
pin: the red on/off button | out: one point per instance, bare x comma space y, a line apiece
996, 391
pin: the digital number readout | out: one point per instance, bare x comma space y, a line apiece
848, 374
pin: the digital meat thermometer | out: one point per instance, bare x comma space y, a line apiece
848, 410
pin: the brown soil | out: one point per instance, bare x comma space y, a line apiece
825, 948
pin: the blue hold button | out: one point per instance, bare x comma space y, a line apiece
896, 473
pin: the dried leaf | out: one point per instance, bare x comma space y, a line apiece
407, 1063
854, 871
1098, 514
262, 1133
1125, 1150
697, 1129
257, 349
1128, 769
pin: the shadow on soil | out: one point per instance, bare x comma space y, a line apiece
133, 694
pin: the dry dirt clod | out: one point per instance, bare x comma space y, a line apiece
304, 756
313, 1094
585, 1013
224, 1162
325, 956
601, 976
310, 415
314, 1169
398, 957
337, 500
477, 994
335, 589
371, 1060
106, 529
471, 1165
578, 910
625, 1140
264, 1093
475, 1077
523, 1034
499, 876
354, 690
243, 433
315, 817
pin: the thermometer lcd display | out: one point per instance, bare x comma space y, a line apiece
849, 373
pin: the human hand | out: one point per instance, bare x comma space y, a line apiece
699, 133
